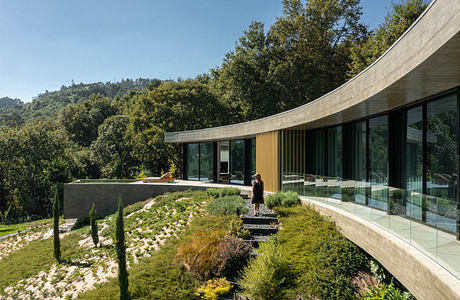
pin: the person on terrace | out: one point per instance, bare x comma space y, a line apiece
257, 193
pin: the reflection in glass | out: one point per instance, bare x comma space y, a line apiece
206, 161
359, 161
441, 177
237, 161
378, 157
413, 166
319, 152
224, 162
193, 162
334, 161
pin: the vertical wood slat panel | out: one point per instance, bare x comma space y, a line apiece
267, 159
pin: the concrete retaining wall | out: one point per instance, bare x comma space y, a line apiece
78, 198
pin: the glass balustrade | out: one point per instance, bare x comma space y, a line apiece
427, 222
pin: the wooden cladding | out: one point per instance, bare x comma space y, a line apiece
267, 160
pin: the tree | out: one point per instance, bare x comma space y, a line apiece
82, 120
402, 15
93, 225
303, 56
121, 253
57, 242
113, 148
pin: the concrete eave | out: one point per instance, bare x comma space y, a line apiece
425, 61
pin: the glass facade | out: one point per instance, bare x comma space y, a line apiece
193, 162
200, 161
378, 162
237, 161
413, 166
206, 161
441, 161
359, 165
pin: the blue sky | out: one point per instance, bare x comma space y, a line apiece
46, 44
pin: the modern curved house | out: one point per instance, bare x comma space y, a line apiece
380, 154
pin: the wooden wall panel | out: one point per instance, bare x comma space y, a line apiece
268, 160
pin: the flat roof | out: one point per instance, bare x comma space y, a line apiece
424, 61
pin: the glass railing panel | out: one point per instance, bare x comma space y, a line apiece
399, 223
309, 185
363, 211
448, 247
334, 189
348, 195
321, 186
424, 237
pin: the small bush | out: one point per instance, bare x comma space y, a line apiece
266, 274
236, 228
93, 222
221, 192
226, 205
199, 256
285, 199
289, 199
214, 287
385, 292
273, 200
232, 256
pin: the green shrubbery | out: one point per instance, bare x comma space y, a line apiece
220, 192
213, 288
267, 274
226, 205
385, 292
236, 228
285, 199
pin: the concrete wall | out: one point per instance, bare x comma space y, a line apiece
78, 198
424, 278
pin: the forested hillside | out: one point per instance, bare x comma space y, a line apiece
116, 130
46, 106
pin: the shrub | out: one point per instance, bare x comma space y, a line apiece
121, 253
221, 192
236, 228
266, 274
232, 256
215, 287
385, 292
286, 199
273, 200
226, 205
289, 199
199, 256
93, 223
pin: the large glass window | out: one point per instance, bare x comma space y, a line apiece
206, 162
320, 152
224, 167
237, 161
253, 159
334, 151
441, 176
378, 157
193, 162
359, 161
413, 162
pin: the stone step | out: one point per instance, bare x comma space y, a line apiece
255, 240
266, 220
257, 229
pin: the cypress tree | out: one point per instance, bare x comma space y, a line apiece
121, 254
57, 242
93, 223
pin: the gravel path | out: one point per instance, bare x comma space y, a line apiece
264, 211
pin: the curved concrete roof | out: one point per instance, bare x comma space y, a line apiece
425, 61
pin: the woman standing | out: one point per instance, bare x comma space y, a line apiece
257, 193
